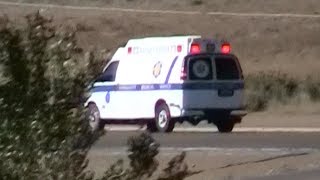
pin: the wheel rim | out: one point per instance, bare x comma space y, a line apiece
162, 119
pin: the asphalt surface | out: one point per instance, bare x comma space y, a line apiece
218, 140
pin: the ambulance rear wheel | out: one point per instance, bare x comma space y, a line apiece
163, 120
93, 116
225, 126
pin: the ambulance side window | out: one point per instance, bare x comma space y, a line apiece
109, 74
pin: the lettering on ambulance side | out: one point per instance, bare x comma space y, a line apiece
156, 50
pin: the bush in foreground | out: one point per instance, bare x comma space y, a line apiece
43, 134
43, 130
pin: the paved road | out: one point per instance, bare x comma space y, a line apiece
217, 140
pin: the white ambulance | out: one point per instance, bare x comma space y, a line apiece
159, 81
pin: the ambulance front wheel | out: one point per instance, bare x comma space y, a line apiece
93, 116
163, 121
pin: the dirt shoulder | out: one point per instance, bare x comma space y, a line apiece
239, 164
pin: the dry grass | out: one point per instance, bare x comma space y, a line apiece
273, 88
270, 6
288, 45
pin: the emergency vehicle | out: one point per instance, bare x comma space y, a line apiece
163, 80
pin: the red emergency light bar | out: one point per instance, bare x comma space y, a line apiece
195, 48
225, 48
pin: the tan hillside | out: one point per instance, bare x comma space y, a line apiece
287, 44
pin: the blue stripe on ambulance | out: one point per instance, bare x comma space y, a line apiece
185, 86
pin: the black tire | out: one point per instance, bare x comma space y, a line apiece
93, 116
225, 126
163, 122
